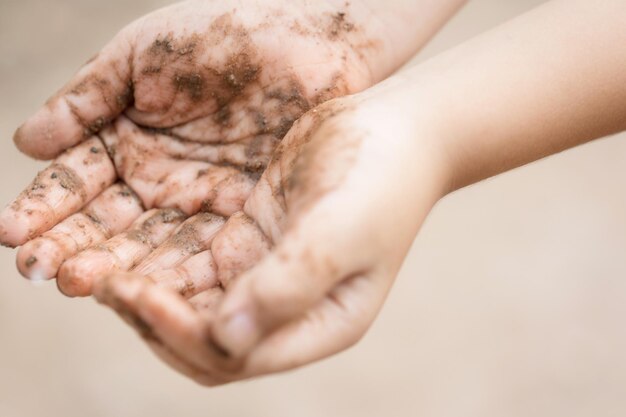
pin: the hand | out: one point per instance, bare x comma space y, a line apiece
315, 249
348, 188
187, 105
352, 181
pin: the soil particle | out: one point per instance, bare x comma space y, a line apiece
339, 25
305, 175
260, 121
283, 127
188, 288
160, 46
79, 88
93, 217
240, 71
95, 126
166, 216
70, 181
30, 261
171, 215
125, 193
140, 236
126, 98
151, 69
192, 84
222, 116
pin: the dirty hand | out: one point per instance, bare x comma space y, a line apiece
179, 114
332, 217
314, 250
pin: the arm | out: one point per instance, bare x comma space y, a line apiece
217, 84
408, 24
353, 180
546, 81
550, 79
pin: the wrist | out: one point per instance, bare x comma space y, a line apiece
424, 121
398, 29
455, 128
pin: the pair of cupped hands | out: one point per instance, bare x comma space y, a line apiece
210, 187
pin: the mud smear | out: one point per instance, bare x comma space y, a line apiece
235, 85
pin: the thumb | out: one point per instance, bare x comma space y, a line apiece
100, 91
307, 264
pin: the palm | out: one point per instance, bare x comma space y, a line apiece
200, 259
289, 221
216, 92
206, 92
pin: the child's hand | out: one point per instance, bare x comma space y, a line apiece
190, 102
317, 245
207, 90
326, 228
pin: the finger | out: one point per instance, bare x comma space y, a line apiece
198, 186
161, 315
193, 276
120, 292
200, 376
310, 260
238, 247
250, 154
164, 173
108, 214
207, 302
333, 325
100, 90
337, 322
122, 252
75, 178
193, 236
184, 330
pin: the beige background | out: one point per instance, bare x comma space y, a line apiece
511, 302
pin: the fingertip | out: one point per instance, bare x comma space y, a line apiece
74, 280
236, 329
99, 289
48, 132
14, 227
280, 288
39, 259
117, 288
99, 92
236, 334
20, 138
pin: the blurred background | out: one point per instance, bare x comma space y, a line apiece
511, 302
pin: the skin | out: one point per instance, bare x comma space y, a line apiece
189, 103
321, 180
357, 173
302, 290
371, 166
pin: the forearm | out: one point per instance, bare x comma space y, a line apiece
544, 82
408, 25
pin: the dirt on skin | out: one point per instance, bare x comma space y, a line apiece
144, 232
187, 237
232, 82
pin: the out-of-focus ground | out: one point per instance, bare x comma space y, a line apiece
511, 303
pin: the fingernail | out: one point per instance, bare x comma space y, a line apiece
238, 334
